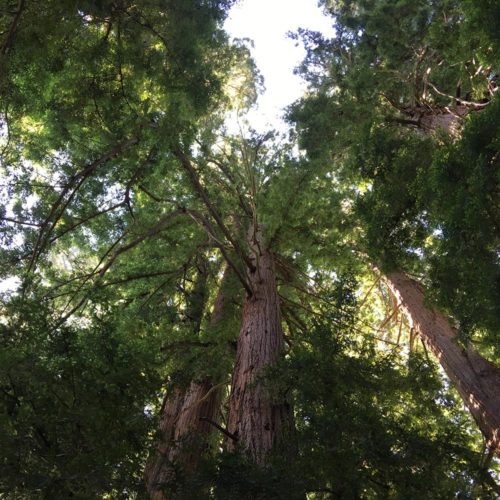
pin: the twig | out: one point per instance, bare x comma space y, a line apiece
59, 206
20, 222
205, 223
150, 232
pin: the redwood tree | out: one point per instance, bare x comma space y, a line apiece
258, 423
476, 379
187, 415
404, 115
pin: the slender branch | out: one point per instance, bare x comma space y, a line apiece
233, 183
211, 232
136, 277
121, 281
85, 220
150, 232
402, 121
92, 273
153, 196
230, 435
361, 303
400, 329
152, 294
460, 101
390, 101
63, 319
59, 206
186, 163
20, 222
339, 322
205, 397
389, 317
181, 344
313, 294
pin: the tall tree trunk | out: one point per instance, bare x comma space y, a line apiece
185, 422
258, 423
476, 379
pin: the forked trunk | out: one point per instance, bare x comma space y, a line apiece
258, 423
476, 379
185, 424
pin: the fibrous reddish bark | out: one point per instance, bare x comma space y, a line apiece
476, 379
185, 422
159, 471
184, 429
258, 423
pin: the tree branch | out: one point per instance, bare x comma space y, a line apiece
230, 435
211, 232
13, 28
59, 206
186, 163
20, 222
150, 232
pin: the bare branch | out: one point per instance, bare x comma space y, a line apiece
469, 104
20, 222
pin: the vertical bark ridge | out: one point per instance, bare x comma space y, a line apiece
476, 379
258, 422
184, 431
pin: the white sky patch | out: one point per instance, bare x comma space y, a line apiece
267, 23
9, 285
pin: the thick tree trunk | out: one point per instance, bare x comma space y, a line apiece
428, 119
184, 423
159, 471
258, 423
476, 379
184, 430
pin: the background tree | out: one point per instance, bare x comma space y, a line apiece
389, 75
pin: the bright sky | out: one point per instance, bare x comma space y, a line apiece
267, 23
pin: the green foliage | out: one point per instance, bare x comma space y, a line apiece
482, 20
433, 209
426, 204
103, 226
394, 224
367, 426
232, 475
461, 193
73, 404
